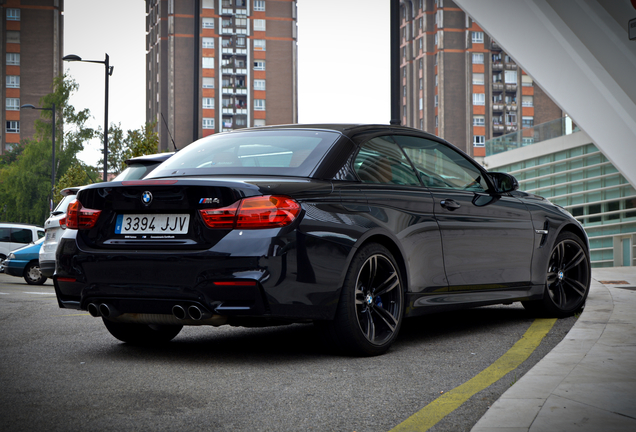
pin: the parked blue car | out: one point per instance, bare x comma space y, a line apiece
24, 262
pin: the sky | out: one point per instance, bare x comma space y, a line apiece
343, 61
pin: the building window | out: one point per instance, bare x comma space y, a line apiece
208, 4
404, 91
208, 23
496, 77
13, 81
259, 5
510, 77
13, 36
208, 62
259, 122
259, 25
478, 37
241, 22
208, 103
421, 64
478, 79
421, 83
436, 80
259, 45
208, 42
527, 101
511, 119
241, 121
527, 122
240, 41
259, 104
13, 104
13, 14
478, 58
479, 141
13, 59
208, 123
421, 104
226, 42
511, 100
435, 38
420, 44
259, 65
479, 120
404, 72
527, 141
526, 81
436, 121
13, 126
208, 82
436, 100
259, 84
479, 99
240, 3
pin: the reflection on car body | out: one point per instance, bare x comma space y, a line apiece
351, 227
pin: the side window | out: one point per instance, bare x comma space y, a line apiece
40, 234
5, 235
21, 235
440, 166
380, 160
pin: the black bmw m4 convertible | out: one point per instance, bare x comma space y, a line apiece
352, 227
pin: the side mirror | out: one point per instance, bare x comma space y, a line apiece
504, 182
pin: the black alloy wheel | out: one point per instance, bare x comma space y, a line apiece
567, 280
371, 307
142, 334
33, 275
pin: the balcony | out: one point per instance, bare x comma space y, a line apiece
511, 66
511, 87
497, 107
511, 127
497, 87
497, 66
511, 107
495, 46
496, 127
228, 110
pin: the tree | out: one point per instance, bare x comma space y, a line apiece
138, 142
25, 172
78, 174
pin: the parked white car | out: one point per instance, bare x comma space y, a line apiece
55, 226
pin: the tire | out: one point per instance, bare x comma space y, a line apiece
567, 280
142, 334
371, 307
33, 275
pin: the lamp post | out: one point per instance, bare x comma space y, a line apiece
109, 71
52, 109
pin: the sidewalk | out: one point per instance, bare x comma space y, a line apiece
588, 381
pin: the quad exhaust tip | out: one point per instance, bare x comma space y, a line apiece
179, 312
93, 309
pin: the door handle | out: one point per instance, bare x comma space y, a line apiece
449, 204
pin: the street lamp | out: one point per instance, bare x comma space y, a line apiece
109, 72
52, 109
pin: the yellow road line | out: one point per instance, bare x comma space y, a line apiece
428, 416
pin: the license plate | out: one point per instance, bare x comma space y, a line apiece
152, 224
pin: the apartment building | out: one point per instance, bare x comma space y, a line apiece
458, 83
32, 46
219, 65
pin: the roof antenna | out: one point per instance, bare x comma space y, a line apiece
168, 129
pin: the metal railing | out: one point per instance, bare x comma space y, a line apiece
532, 135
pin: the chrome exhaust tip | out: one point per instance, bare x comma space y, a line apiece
197, 314
179, 312
107, 311
93, 309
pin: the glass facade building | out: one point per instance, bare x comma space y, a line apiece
571, 171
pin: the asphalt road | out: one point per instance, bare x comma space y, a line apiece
61, 370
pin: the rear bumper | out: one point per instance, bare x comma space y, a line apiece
47, 268
292, 277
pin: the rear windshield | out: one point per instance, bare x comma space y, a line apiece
288, 152
135, 171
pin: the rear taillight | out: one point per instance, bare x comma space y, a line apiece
269, 211
78, 217
63, 222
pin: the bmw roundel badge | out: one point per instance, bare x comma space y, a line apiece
146, 197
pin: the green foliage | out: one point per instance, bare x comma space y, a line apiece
137, 142
25, 172
78, 174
